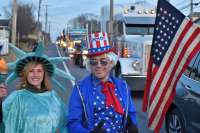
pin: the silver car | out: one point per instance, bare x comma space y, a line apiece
184, 114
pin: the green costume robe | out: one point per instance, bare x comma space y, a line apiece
27, 112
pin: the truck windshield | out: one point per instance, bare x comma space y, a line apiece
139, 29
76, 37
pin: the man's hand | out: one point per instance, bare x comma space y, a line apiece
99, 128
130, 126
3, 91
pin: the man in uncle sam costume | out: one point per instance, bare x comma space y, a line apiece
101, 103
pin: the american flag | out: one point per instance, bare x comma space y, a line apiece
176, 40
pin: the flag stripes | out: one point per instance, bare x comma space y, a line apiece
166, 76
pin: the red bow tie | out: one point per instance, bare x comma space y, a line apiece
109, 91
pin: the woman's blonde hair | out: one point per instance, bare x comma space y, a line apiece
23, 75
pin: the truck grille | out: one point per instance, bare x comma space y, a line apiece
147, 51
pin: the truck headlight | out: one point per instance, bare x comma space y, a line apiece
71, 55
85, 52
136, 65
84, 57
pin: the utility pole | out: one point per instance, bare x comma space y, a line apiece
39, 7
111, 21
191, 9
49, 28
46, 18
14, 22
38, 19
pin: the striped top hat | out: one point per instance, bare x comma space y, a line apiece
98, 44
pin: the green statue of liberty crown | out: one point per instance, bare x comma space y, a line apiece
38, 56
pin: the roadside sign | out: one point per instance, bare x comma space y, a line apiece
4, 49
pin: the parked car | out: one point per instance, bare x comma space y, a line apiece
183, 115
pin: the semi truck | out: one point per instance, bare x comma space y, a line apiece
133, 28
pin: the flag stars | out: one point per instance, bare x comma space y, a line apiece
156, 50
156, 28
163, 26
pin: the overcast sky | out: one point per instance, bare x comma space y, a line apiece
60, 11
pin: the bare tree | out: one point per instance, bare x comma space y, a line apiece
88, 18
25, 21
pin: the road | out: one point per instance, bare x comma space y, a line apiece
80, 73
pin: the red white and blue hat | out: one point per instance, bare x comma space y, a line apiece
98, 44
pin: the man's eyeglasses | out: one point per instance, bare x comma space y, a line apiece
95, 62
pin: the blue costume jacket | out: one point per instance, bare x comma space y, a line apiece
76, 116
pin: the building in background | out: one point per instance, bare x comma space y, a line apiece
4, 36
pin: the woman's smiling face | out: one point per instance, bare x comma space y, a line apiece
35, 76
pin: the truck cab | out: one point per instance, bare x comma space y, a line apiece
133, 29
